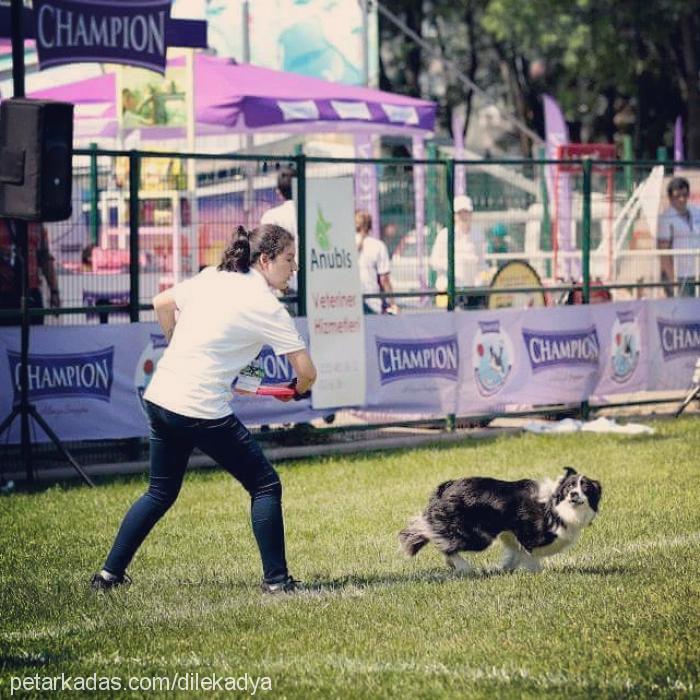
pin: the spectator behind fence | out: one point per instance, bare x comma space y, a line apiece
86, 258
373, 261
391, 237
679, 228
285, 215
39, 260
470, 246
498, 242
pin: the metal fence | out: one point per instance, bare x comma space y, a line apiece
589, 230
142, 221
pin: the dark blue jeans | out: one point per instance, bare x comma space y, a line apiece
228, 442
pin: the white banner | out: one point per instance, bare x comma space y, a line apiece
334, 294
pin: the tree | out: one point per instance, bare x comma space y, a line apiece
615, 66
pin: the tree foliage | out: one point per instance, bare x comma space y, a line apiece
615, 66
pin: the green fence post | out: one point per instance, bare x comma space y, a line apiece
134, 181
450, 235
94, 196
661, 153
586, 251
301, 232
431, 207
628, 156
586, 233
450, 420
546, 226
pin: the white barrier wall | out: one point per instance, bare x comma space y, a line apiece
87, 380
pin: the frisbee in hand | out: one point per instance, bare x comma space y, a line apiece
281, 391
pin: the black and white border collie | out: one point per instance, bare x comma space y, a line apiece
533, 519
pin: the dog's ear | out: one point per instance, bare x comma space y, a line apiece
593, 491
569, 471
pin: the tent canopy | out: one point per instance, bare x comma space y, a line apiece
241, 98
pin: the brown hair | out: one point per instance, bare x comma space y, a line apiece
284, 182
363, 220
246, 247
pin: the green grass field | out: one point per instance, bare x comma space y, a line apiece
617, 616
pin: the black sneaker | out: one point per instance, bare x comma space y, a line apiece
100, 583
287, 585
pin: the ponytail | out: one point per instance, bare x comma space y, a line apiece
236, 257
246, 247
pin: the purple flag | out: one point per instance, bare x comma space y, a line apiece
366, 193
559, 187
678, 140
74, 31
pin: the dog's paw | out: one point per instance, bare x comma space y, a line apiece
460, 565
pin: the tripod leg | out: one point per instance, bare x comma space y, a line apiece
693, 394
56, 441
8, 421
5, 425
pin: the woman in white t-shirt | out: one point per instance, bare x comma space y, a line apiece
225, 316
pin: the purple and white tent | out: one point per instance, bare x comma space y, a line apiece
241, 98
231, 98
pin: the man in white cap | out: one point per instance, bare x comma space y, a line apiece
469, 251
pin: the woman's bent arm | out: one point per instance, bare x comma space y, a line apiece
303, 366
164, 306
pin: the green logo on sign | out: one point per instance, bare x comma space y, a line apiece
322, 229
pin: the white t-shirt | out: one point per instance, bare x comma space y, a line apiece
683, 232
285, 215
224, 320
469, 258
372, 261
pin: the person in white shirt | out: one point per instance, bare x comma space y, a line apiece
217, 323
679, 228
374, 266
285, 215
470, 249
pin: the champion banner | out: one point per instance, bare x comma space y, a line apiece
413, 363
130, 31
87, 381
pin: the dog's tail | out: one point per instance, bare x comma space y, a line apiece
413, 538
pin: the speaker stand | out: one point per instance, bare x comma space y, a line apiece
694, 390
694, 393
23, 408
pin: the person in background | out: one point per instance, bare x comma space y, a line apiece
86, 258
373, 262
285, 215
216, 324
498, 242
679, 228
469, 253
391, 237
40, 261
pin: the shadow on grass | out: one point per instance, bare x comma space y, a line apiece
24, 660
338, 585
352, 584
343, 583
438, 576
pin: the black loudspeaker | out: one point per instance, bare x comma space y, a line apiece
36, 151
